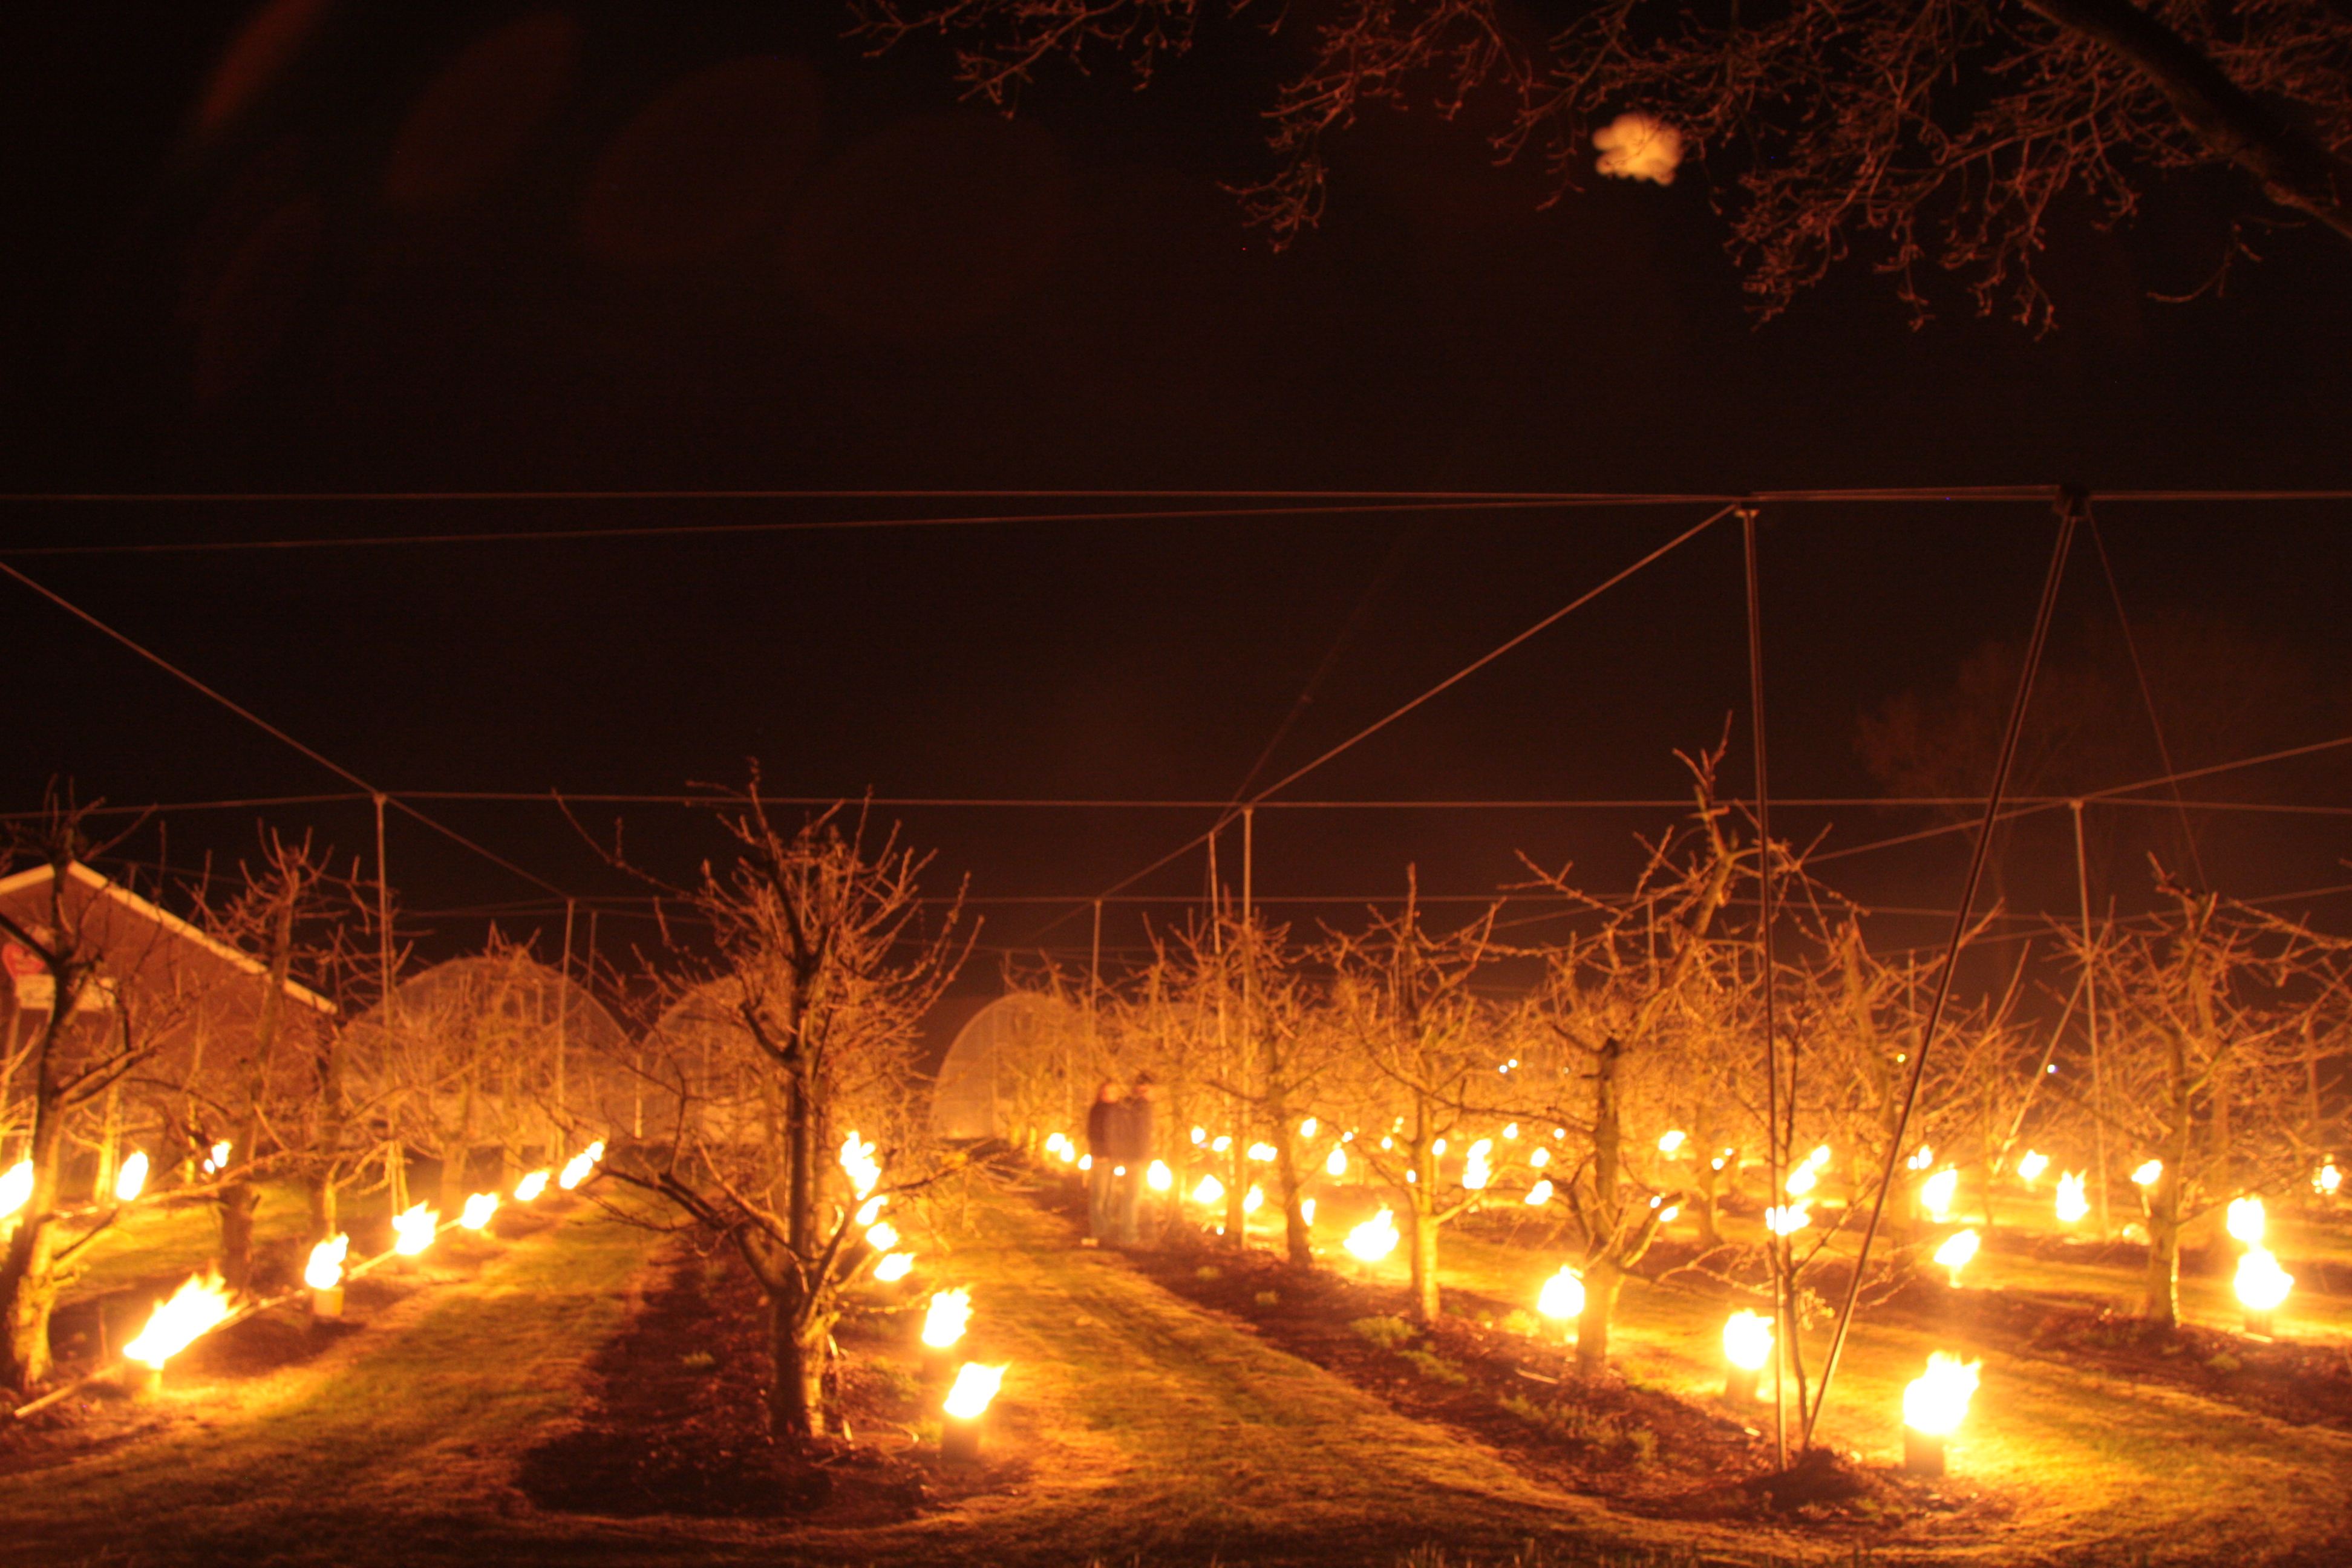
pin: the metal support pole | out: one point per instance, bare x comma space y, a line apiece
1783, 1293
2090, 1021
383, 909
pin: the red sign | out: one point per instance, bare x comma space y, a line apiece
20, 960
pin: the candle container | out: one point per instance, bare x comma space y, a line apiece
140, 1380
326, 1306
1922, 1452
2259, 1322
960, 1439
1740, 1385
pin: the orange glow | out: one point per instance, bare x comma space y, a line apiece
975, 1386
325, 1269
1937, 1400
1748, 1340
1374, 1239
1562, 1295
195, 1309
530, 1186
945, 1320
414, 1228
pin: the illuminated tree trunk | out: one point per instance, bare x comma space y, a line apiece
29, 1285
1602, 1281
1421, 1210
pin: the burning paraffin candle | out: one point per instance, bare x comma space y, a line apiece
2328, 1179
1160, 1177
1337, 1164
1209, 1191
217, 1160
1670, 1144
195, 1308
576, 1169
480, 1207
945, 1320
1787, 1220
1539, 1158
15, 1187
1476, 1174
2248, 1220
1262, 1152
1372, 1240
324, 1276
1538, 1195
967, 1404
1954, 1255
1562, 1297
882, 1237
857, 1160
2030, 1168
413, 1230
2148, 1173
871, 1209
1252, 1200
1801, 1181
1933, 1406
1307, 1210
2072, 1205
1306, 1127
894, 1266
1922, 1159
132, 1178
1937, 1192
530, 1186
2261, 1285
1747, 1345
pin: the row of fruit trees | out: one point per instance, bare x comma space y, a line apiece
1604, 1077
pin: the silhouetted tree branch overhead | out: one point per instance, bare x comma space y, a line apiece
1949, 134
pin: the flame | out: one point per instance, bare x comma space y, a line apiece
1160, 1177
129, 1180
1935, 1402
1307, 1210
1474, 1172
1923, 1159
1819, 1157
2329, 1178
2262, 1284
1801, 1181
1747, 1341
1200, 1135
1261, 1151
2030, 1169
1538, 1194
882, 1237
217, 1161
195, 1306
1086, 1161
1306, 1127
1438, 1147
1070, 1155
2072, 1205
1958, 1248
15, 1187
1672, 1142
415, 1230
530, 1186
975, 1386
1055, 1144
1511, 1131
576, 1169
946, 1318
1636, 146
1220, 1144
871, 1209
1936, 1192
2247, 1219
894, 1266
478, 1210
1787, 1221
1375, 1238
2149, 1174
1670, 1212
1252, 1200
1337, 1162
1562, 1295
858, 1159
325, 1269
1539, 1157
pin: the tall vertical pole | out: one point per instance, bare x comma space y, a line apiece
1094, 1018
383, 909
1784, 1294
2091, 1018
564, 1012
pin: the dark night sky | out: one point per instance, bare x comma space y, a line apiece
598, 246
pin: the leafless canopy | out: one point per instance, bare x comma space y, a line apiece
1946, 132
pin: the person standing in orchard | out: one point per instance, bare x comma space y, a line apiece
1133, 1122
1103, 1129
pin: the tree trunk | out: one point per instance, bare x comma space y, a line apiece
1603, 1280
797, 1351
237, 1203
1421, 1212
28, 1286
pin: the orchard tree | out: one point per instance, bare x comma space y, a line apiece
2212, 1009
811, 1102
1951, 133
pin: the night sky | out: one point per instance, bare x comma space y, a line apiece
709, 247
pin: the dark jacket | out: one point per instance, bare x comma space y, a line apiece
1131, 1130
1102, 1123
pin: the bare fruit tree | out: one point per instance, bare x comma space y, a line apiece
805, 1111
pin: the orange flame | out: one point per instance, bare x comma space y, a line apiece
975, 1386
195, 1308
945, 1320
416, 1229
325, 1269
1935, 1400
